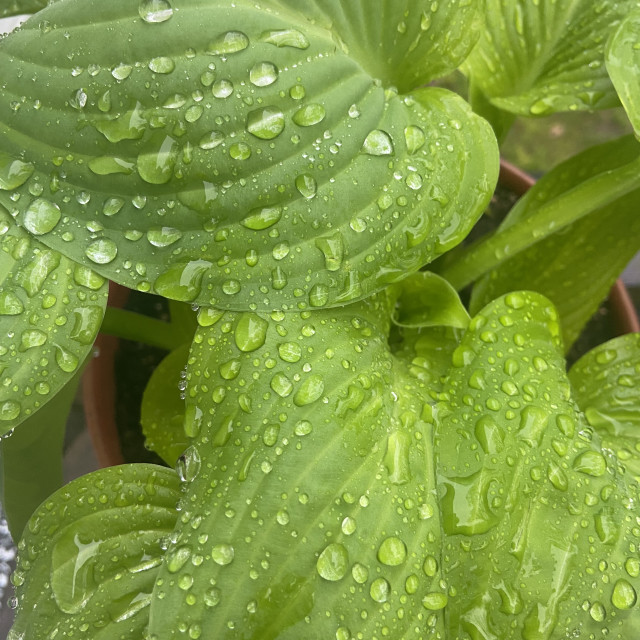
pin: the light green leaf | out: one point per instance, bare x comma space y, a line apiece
35, 445
19, 7
50, 312
605, 383
541, 57
576, 267
623, 65
310, 484
428, 300
260, 163
533, 508
92, 553
162, 410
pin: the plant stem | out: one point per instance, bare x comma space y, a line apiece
134, 326
470, 263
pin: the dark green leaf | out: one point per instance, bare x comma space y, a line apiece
623, 65
310, 485
540, 521
606, 388
540, 57
31, 459
576, 267
427, 300
18, 7
50, 312
92, 553
251, 164
162, 411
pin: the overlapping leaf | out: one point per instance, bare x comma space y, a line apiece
540, 521
261, 163
623, 65
537, 57
311, 496
606, 388
576, 267
50, 312
92, 552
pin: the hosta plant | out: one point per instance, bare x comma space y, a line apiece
356, 454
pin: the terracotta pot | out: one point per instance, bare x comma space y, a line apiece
98, 385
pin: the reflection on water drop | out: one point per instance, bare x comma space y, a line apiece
265, 123
309, 115
41, 216
262, 74
229, 42
155, 11
378, 143
333, 562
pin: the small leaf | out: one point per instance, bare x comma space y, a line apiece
623, 65
428, 300
90, 555
525, 483
538, 58
50, 312
270, 139
309, 480
605, 383
162, 413
576, 267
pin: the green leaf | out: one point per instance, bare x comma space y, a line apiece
309, 485
183, 320
538, 518
19, 7
36, 444
576, 267
50, 312
428, 300
162, 411
623, 65
262, 163
90, 555
541, 57
605, 383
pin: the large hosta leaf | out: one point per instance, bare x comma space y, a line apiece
540, 521
310, 506
576, 267
92, 553
50, 312
605, 382
239, 154
623, 65
542, 56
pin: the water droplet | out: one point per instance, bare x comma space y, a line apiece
378, 143
414, 138
240, 151
188, 465
211, 140
13, 173
392, 552
533, 422
306, 185
162, 64
265, 123
262, 74
490, 435
41, 216
303, 428
290, 351
156, 166
310, 390
380, 590
359, 573
591, 463
624, 596
86, 324
9, 410
177, 558
281, 385
251, 332
319, 295
333, 562
155, 11
348, 526
297, 92
222, 554
192, 421
10, 304
102, 251
270, 435
597, 612
309, 115
632, 567
182, 282
222, 89
163, 236
333, 249
435, 601
286, 38
229, 42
